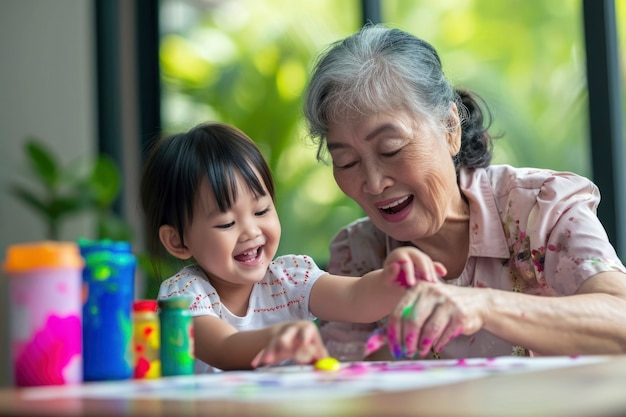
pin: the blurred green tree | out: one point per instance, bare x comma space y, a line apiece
246, 62
528, 65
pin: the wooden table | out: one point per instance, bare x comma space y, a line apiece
589, 390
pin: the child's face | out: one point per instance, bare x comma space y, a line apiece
236, 246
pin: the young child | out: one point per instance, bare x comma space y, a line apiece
208, 196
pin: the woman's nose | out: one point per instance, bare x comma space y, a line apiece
375, 180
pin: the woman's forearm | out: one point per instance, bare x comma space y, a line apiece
577, 324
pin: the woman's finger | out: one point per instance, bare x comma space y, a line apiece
433, 327
405, 322
452, 330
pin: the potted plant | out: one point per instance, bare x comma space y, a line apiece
56, 192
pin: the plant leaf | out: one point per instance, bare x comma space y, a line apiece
63, 206
30, 199
42, 162
105, 181
114, 227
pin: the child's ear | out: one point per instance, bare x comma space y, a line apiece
171, 240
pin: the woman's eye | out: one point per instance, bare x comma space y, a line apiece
392, 153
344, 166
225, 226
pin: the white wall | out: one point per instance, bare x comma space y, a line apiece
47, 90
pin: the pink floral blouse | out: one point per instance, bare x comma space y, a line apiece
532, 230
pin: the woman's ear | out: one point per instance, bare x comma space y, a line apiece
453, 135
171, 240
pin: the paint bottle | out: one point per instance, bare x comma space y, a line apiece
45, 292
109, 276
146, 339
176, 327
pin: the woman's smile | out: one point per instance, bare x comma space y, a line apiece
397, 210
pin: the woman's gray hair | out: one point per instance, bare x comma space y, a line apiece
380, 69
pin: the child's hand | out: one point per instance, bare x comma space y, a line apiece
297, 340
407, 265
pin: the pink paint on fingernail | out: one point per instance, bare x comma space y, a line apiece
426, 341
375, 341
401, 278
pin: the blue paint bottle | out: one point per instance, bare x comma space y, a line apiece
109, 278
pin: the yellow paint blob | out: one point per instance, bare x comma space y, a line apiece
327, 364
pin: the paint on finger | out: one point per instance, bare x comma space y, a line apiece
394, 343
401, 277
375, 341
409, 312
409, 344
426, 345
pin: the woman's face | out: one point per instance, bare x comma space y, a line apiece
399, 170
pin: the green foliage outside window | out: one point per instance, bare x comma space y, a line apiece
246, 62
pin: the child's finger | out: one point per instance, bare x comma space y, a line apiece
440, 269
398, 270
258, 359
309, 353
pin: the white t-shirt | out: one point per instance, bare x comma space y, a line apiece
282, 295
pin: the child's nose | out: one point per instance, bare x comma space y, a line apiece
250, 230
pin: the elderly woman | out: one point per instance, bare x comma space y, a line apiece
513, 261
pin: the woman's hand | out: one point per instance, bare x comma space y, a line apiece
297, 340
433, 313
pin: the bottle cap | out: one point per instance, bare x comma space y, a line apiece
176, 302
88, 246
145, 305
45, 254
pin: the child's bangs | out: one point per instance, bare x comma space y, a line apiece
223, 181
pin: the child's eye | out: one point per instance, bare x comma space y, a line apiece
262, 212
225, 226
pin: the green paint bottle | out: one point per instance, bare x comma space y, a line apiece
176, 336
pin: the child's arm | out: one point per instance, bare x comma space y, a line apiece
370, 298
222, 346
